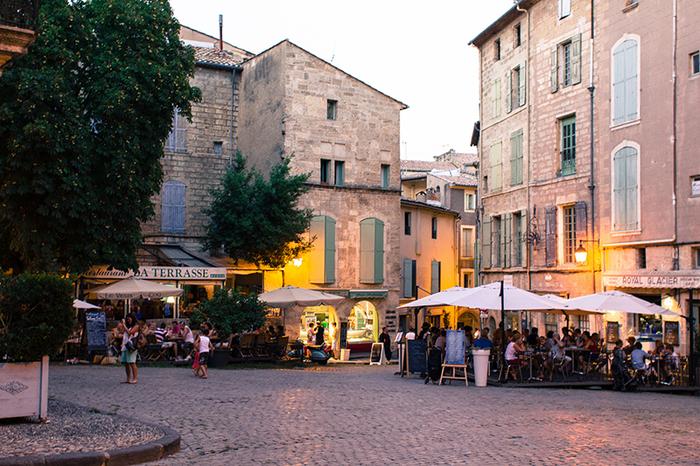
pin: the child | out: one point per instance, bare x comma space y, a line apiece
203, 345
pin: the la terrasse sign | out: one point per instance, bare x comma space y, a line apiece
161, 273
651, 281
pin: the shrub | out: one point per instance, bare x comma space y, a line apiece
36, 316
229, 311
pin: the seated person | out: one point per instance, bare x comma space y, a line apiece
483, 341
639, 357
630, 345
557, 354
160, 333
513, 351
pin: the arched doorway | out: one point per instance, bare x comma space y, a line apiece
363, 326
323, 316
469, 318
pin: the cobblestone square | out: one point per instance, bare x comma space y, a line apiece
366, 415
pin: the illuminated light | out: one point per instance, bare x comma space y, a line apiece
297, 262
170, 299
581, 254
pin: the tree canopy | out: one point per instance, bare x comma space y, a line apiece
257, 219
83, 117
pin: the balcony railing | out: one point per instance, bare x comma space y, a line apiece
19, 13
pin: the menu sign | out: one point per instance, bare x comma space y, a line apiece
96, 327
455, 346
612, 332
343, 335
671, 333
416, 356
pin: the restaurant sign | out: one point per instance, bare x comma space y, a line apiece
651, 281
160, 273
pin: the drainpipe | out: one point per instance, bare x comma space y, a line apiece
233, 115
528, 251
591, 132
674, 50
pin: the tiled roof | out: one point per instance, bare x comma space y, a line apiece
464, 179
212, 56
448, 161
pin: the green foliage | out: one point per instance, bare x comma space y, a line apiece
229, 312
83, 117
257, 219
36, 315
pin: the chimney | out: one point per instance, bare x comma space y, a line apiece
221, 32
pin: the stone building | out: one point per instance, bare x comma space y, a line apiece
591, 150
346, 135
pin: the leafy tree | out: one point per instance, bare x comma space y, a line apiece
83, 117
229, 311
257, 219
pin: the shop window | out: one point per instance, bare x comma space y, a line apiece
362, 323
625, 83
408, 289
322, 268
649, 327
177, 139
173, 207
371, 251
567, 144
435, 269
331, 109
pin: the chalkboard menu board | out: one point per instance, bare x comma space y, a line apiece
96, 327
456, 344
375, 355
612, 332
672, 333
416, 356
343, 334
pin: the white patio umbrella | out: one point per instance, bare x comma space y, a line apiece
441, 298
514, 299
289, 296
616, 301
78, 304
133, 288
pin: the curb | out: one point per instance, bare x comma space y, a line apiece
157, 449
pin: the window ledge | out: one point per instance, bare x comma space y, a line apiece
617, 234
626, 124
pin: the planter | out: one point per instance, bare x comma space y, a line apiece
24, 389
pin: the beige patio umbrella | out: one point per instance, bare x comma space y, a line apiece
289, 296
511, 298
78, 304
441, 298
616, 301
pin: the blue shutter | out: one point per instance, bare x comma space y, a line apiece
166, 210
625, 190
631, 185
407, 288
179, 207
625, 82
173, 207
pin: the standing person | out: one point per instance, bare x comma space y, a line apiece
310, 334
320, 337
188, 339
203, 345
483, 341
385, 340
129, 348
333, 334
411, 334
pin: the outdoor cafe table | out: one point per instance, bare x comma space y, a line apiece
530, 355
575, 352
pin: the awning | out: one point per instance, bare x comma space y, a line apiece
176, 256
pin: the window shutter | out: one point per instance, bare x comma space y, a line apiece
506, 240
554, 70
619, 190
576, 59
173, 207
434, 276
407, 291
179, 207
619, 93
631, 80
632, 217
317, 266
486, 243
516, 158
509, 93
550, 236
378, 251
367, 251
497, 98
414, 288
166, 211
522, 84
580, 212
329, 250
523, 238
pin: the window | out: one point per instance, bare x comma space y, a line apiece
564, 8
385, 176
495, 174
497, 98
325, 170
466, 243
173, 207
177, 139
331, 109
696, 258
516, 158
218, 147
433, 228
583, 322
551, 323
407, 223
568, 146
516, 241
625, 190
467, 279
642, 258
497, 49
695, 186
496, 243
408, 290
371, 251
469, 201
322, 256
515, 97
569, 214
485, 184
695, 63
517, 37
565, 63
339, 173
435, 276
625, 82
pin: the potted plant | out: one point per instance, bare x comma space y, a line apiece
229, 312
36, 317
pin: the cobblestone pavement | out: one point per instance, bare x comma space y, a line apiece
366, 415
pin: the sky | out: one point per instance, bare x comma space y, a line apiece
416, 52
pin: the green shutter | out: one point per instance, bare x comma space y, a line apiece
329, 249
506, 228
434, 276
516, 158
486, 243
378, 251
509, 93
522, 84
554, 69
317, 230
619, 190
632, 219
407, 289
371, 251
576, 59
523, 238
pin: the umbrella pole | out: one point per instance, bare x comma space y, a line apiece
503, 319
